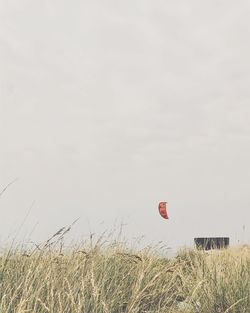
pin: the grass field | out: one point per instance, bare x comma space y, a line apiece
111, 279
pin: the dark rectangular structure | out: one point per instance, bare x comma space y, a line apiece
209, 243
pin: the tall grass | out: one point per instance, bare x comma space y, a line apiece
114, 279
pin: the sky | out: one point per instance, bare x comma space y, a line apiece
108, 107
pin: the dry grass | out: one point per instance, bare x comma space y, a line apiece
94, 279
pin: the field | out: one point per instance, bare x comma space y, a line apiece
110, 278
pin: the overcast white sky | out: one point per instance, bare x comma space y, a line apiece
108, 107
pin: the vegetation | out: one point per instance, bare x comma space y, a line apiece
113, 279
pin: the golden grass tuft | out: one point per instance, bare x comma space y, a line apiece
113, 279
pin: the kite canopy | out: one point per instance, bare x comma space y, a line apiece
163, 209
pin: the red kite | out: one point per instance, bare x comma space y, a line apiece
163, 210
